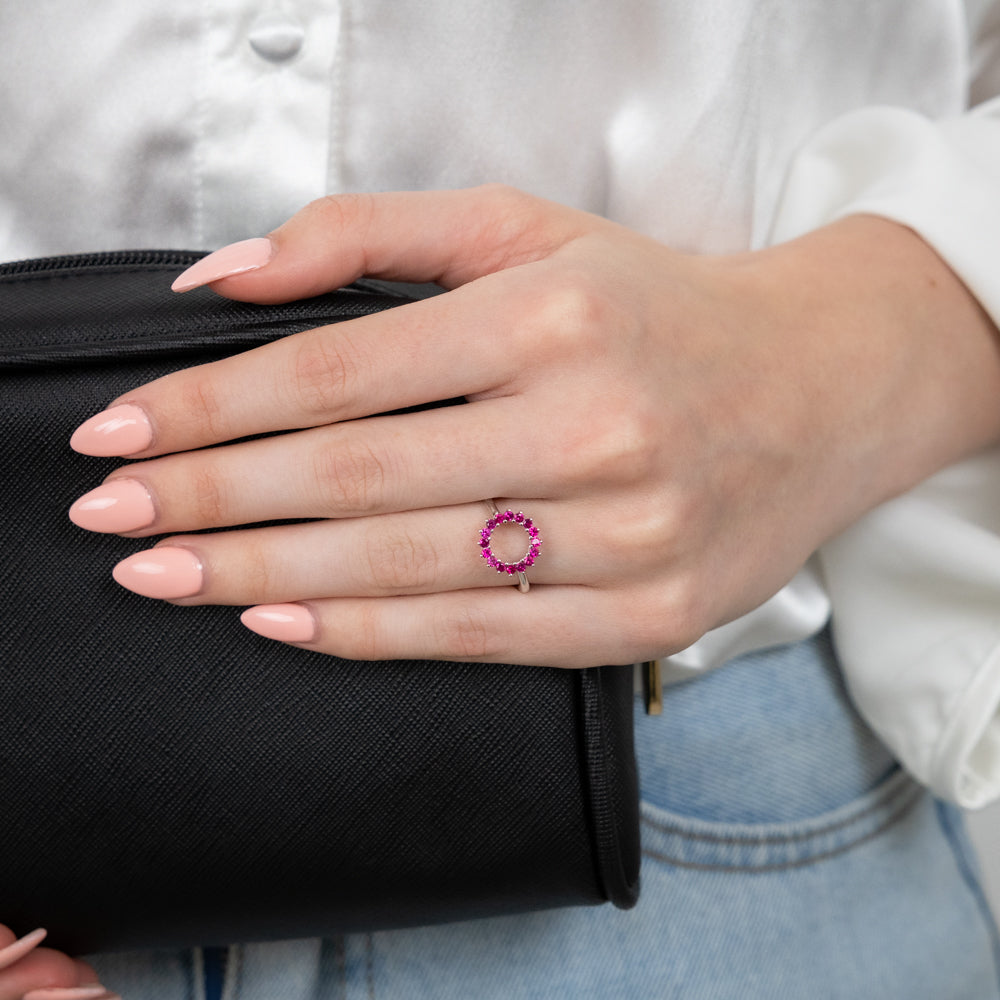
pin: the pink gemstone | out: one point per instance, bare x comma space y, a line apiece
506, 517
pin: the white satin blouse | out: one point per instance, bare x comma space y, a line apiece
713, 126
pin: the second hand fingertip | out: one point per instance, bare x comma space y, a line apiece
96, 992
19, 948
283, 622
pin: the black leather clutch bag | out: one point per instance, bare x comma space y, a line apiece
167, 777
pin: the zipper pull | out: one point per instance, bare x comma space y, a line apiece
652, 687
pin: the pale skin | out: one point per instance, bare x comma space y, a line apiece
685, 430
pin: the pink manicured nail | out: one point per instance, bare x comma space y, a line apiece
284, 622
165, 572
237, 258
16, 951
120, 505
68, 993
122, 430
96, 992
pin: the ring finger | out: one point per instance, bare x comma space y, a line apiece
415, 552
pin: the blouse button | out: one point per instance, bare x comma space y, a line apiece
276, 37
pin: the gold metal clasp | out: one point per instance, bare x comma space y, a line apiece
652, 687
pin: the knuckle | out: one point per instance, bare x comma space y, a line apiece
202, 407
504, 196
631, 446
364, 641
322, 375
639, 535
208, 498
397, 562
568, 325
466, 634
612, 447
657, 620
351, 211
514, 225
685, 623
509, 207
256, 576
570, 317
350, 478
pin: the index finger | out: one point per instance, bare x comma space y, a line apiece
447, 237
362, 367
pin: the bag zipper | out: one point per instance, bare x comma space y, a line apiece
110, 258
240, 327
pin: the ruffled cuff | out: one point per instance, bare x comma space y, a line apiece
940, 179
915, 585
915, 588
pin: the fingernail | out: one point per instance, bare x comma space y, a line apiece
284, 622
16, 951
120, 505
237, 258
121, 430
165, 572
67, 993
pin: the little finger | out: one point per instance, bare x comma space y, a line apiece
554, 626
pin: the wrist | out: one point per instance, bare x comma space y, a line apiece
899, 365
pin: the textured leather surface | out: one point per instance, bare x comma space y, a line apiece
167, 777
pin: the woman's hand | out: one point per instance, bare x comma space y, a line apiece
684, 431
28, 972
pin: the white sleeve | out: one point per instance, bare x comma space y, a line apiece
915, 585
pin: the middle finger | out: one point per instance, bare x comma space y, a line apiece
365, 467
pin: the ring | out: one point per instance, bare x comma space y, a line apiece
527, 560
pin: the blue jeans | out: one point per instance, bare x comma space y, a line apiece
785, 856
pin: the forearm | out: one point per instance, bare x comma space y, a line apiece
897, 363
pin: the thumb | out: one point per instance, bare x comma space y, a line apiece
448, 237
